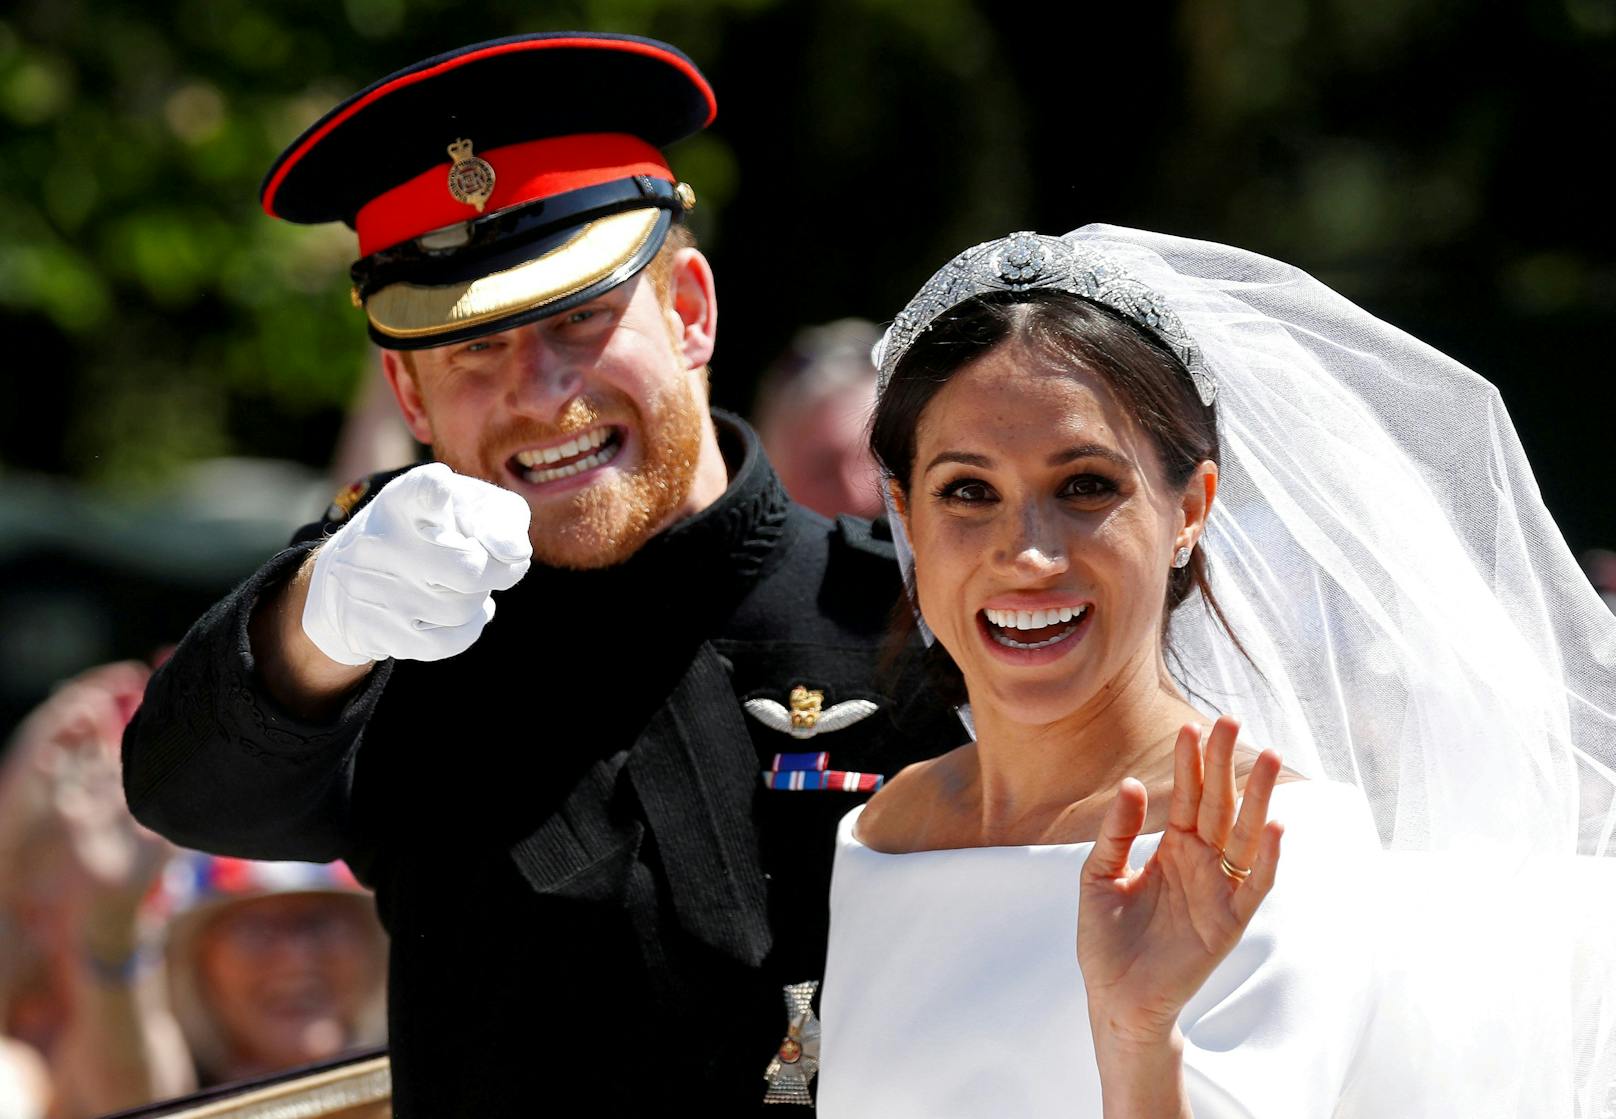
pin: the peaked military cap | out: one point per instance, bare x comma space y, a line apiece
500, 183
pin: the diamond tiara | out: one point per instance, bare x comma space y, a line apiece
1037, 262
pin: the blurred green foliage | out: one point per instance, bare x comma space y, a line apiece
1436, 160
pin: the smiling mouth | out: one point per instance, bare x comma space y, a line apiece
587, 451
1033, 629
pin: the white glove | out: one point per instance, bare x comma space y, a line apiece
409, 576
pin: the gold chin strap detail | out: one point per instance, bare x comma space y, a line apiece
589, 256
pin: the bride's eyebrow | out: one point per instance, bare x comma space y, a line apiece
963, 457
1090, 450
1059, 458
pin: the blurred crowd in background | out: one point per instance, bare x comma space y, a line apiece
131, 971
192, 382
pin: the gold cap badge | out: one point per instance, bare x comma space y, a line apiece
471, 179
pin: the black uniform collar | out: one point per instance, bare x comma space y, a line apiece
745, 523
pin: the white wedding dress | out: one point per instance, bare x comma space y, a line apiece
1369, 984
952, 987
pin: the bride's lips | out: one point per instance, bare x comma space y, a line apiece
1027, 633
567, 463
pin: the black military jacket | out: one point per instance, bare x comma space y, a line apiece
588, 887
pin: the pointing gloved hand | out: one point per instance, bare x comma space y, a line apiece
409, 576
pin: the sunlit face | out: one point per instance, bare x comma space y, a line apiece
594, 415
287, 976
1043, 534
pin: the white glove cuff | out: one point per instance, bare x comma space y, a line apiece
320, 619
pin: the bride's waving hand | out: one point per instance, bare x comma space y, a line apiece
1147, 939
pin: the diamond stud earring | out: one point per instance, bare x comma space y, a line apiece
1181, 558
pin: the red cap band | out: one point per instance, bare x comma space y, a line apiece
522, 173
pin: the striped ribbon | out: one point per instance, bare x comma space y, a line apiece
831, 780
792, 763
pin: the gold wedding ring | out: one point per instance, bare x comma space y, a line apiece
1238, 873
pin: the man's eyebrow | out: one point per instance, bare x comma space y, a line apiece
1059, 458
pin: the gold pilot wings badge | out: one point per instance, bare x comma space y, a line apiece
808, 716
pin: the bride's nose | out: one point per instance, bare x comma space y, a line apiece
1032, 545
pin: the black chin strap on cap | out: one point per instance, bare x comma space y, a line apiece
477, 247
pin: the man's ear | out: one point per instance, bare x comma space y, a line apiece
400, 370
693, 311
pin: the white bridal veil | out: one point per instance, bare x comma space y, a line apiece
1416, 626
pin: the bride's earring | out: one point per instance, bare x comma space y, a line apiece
1181, 558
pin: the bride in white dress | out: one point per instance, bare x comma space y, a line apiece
1346, 550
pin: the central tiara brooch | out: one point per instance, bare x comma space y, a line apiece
1034, 261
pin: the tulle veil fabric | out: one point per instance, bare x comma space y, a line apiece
1415, 625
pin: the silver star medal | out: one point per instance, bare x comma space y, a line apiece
797, 1060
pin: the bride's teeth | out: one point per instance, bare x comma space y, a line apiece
552, 454
1034, 619
1011, 643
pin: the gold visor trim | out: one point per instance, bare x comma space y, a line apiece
590, 255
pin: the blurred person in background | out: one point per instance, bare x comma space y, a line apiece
271, 965
812, 413
130, 972
80, 974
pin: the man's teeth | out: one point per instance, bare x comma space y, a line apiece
1034, 619
599, 458
586, 442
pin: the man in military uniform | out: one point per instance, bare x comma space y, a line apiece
600, 825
